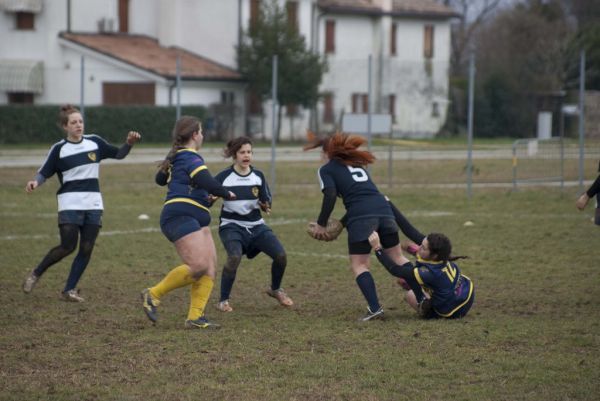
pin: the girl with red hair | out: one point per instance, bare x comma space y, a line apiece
344, 174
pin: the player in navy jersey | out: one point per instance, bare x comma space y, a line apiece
242, 228
76, 162
344, 175
592, 191
438, 289
184, 221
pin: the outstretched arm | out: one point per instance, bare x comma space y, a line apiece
203, 179
132, 138
329, 198
592, 191
405, 270
36, 182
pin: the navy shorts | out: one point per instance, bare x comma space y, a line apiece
80, 217
239, 240
180, 219
360, 229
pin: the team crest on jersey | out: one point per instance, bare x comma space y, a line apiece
255, 192
92, 156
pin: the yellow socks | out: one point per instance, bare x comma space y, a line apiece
178, 277
200, 293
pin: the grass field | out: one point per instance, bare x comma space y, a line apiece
533, 333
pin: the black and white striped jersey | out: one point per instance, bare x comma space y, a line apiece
249, 190
77, 166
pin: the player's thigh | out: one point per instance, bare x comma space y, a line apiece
268, 243
197, 250
232, 239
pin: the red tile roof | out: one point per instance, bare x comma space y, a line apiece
400, 8
146, 53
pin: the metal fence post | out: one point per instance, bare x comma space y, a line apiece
274, 122
581, 117
178, 80
514, 164
470, 125
82, 88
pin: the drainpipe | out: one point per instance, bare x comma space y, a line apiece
239, 25
315, 45
171, 87
69, 16
314, 117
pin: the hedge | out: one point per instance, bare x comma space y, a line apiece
39, 124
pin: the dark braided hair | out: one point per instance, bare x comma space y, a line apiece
182, 132
441, 247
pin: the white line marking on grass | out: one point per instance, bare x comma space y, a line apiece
17, 214
278, 222
103, 233
318, 255
121, 232
430, 213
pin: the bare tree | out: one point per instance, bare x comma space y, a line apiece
473, 14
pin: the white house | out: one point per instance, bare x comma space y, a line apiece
75, 51
130, 48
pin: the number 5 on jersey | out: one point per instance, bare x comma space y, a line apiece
358, 174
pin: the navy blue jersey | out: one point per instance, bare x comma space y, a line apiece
249, 190
361, 196
185, 165
77, 165
448, 288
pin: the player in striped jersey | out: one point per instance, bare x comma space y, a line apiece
76, 162
185, 220
242, 228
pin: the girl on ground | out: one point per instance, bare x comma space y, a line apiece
344, 174
437, 287
76, 162
242, 229
184, 221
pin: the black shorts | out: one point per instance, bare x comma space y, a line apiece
239, 240
360, 229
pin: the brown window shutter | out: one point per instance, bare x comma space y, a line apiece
292, 14
124, 16
330, 36
355, 102
393, 32
20, 98
25, 21
328, 108
392, 107
428, 42
365, 103
291, 109
135, 93
254, 103
254, 11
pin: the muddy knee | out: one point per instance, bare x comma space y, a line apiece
231, 265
